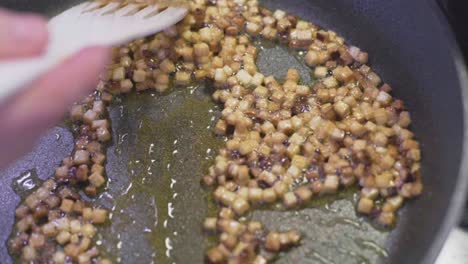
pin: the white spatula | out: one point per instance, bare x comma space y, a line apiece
84, 25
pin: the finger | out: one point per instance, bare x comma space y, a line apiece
21, 35
58, 89
37, 109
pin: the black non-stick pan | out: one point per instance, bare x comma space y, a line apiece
410, 45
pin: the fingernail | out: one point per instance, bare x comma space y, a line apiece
29, 28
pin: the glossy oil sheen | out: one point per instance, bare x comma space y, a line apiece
164, 143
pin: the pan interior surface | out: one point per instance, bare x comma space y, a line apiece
159, 208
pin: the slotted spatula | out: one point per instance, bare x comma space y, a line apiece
87, 24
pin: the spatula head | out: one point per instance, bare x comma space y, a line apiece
110, 23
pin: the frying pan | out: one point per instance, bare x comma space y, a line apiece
410, 46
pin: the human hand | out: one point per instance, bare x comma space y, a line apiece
25, 116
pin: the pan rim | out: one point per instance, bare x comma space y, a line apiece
458, 199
